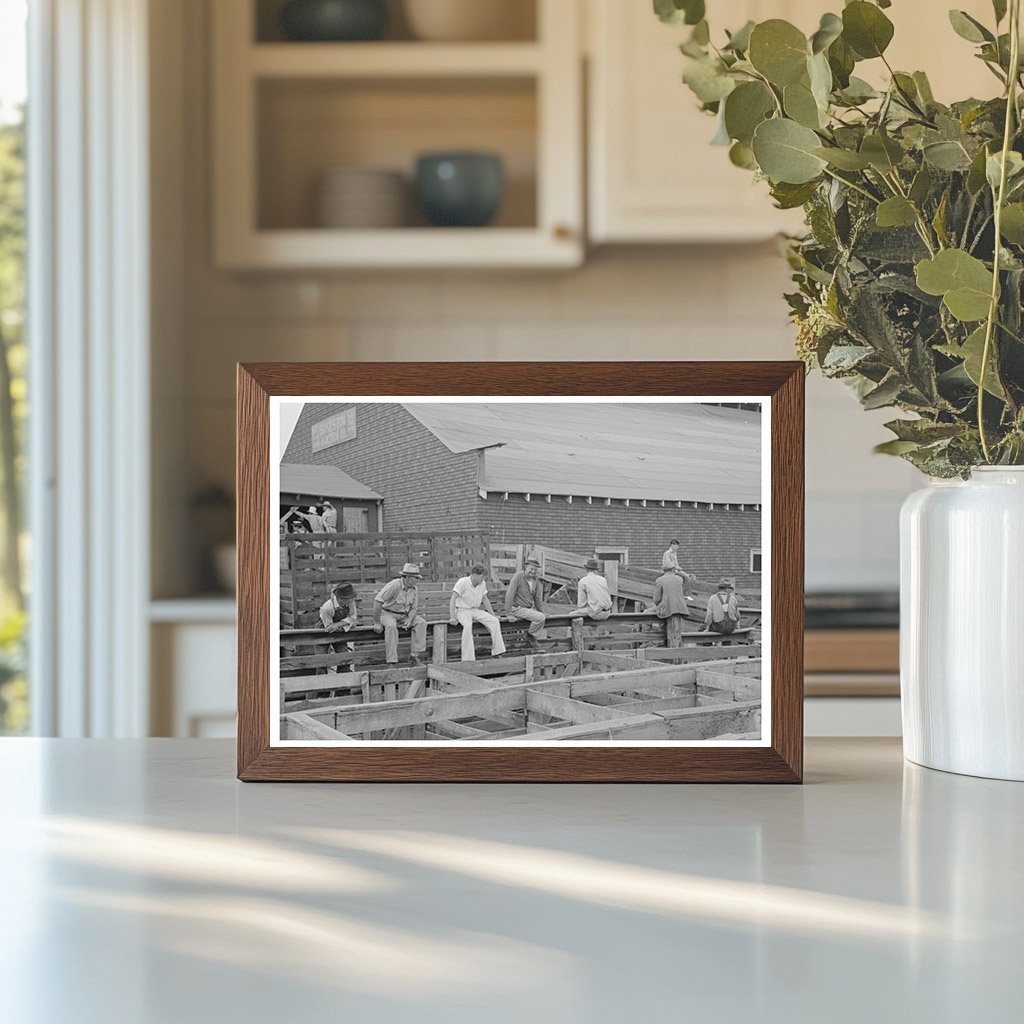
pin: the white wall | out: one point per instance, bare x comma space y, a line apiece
656, 303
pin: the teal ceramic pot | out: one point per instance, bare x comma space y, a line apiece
461, 190
331, 21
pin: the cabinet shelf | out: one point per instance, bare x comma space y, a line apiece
310, 248
286, 114
393, 60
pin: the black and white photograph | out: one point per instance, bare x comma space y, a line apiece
520, 571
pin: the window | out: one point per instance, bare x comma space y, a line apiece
14, 693
755, 559
620, 555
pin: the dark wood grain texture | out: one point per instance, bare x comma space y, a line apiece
783, 382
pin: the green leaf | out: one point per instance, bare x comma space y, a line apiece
924, 87
676, 12
841, 60
844, 159
829, 30
739, 41
946, 156
785, 152
745, 108
778, 50
921, 185
923, 431
800, 105
789, 197
708, 81
741, 155
885, 394
883, 153
976, 174
896, 212
971, 352
895, 447
969, 28
963, 281
820, 76
866, 29
994, 168
1012, 225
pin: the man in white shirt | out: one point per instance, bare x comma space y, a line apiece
593, 597
470, 604
670, 559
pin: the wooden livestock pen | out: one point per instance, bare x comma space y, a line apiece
576, 696
632, 676
312, 563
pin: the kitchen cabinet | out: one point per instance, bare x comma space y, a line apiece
653, 175
286, 113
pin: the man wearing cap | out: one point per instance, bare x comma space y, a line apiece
524, 600
593, 598
396, 606
340, 613
470, 604
723, 609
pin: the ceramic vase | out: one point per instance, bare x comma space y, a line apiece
962, 624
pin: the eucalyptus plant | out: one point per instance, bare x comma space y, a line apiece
909, 280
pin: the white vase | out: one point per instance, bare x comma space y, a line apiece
962, 624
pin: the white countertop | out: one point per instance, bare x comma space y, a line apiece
143, 885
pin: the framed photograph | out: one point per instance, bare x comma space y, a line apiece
520, 572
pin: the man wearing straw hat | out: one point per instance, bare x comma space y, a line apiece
396, 606
723, 609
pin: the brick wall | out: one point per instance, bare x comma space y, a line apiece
425, 486
712, 543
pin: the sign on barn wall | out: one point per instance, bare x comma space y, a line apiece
334, 430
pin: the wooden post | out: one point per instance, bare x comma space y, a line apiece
577, 634
674, 631
440, 655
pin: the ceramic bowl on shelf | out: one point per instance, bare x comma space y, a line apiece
470, 20
361, 198
460, 189
331, 21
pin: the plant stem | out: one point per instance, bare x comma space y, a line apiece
993, 309
855, 187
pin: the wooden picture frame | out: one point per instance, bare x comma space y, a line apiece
779, 386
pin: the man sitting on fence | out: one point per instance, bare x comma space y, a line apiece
670, 594
470, 604
593, 597
524, 600
723, 609
340, 613
395, 607
670, 559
